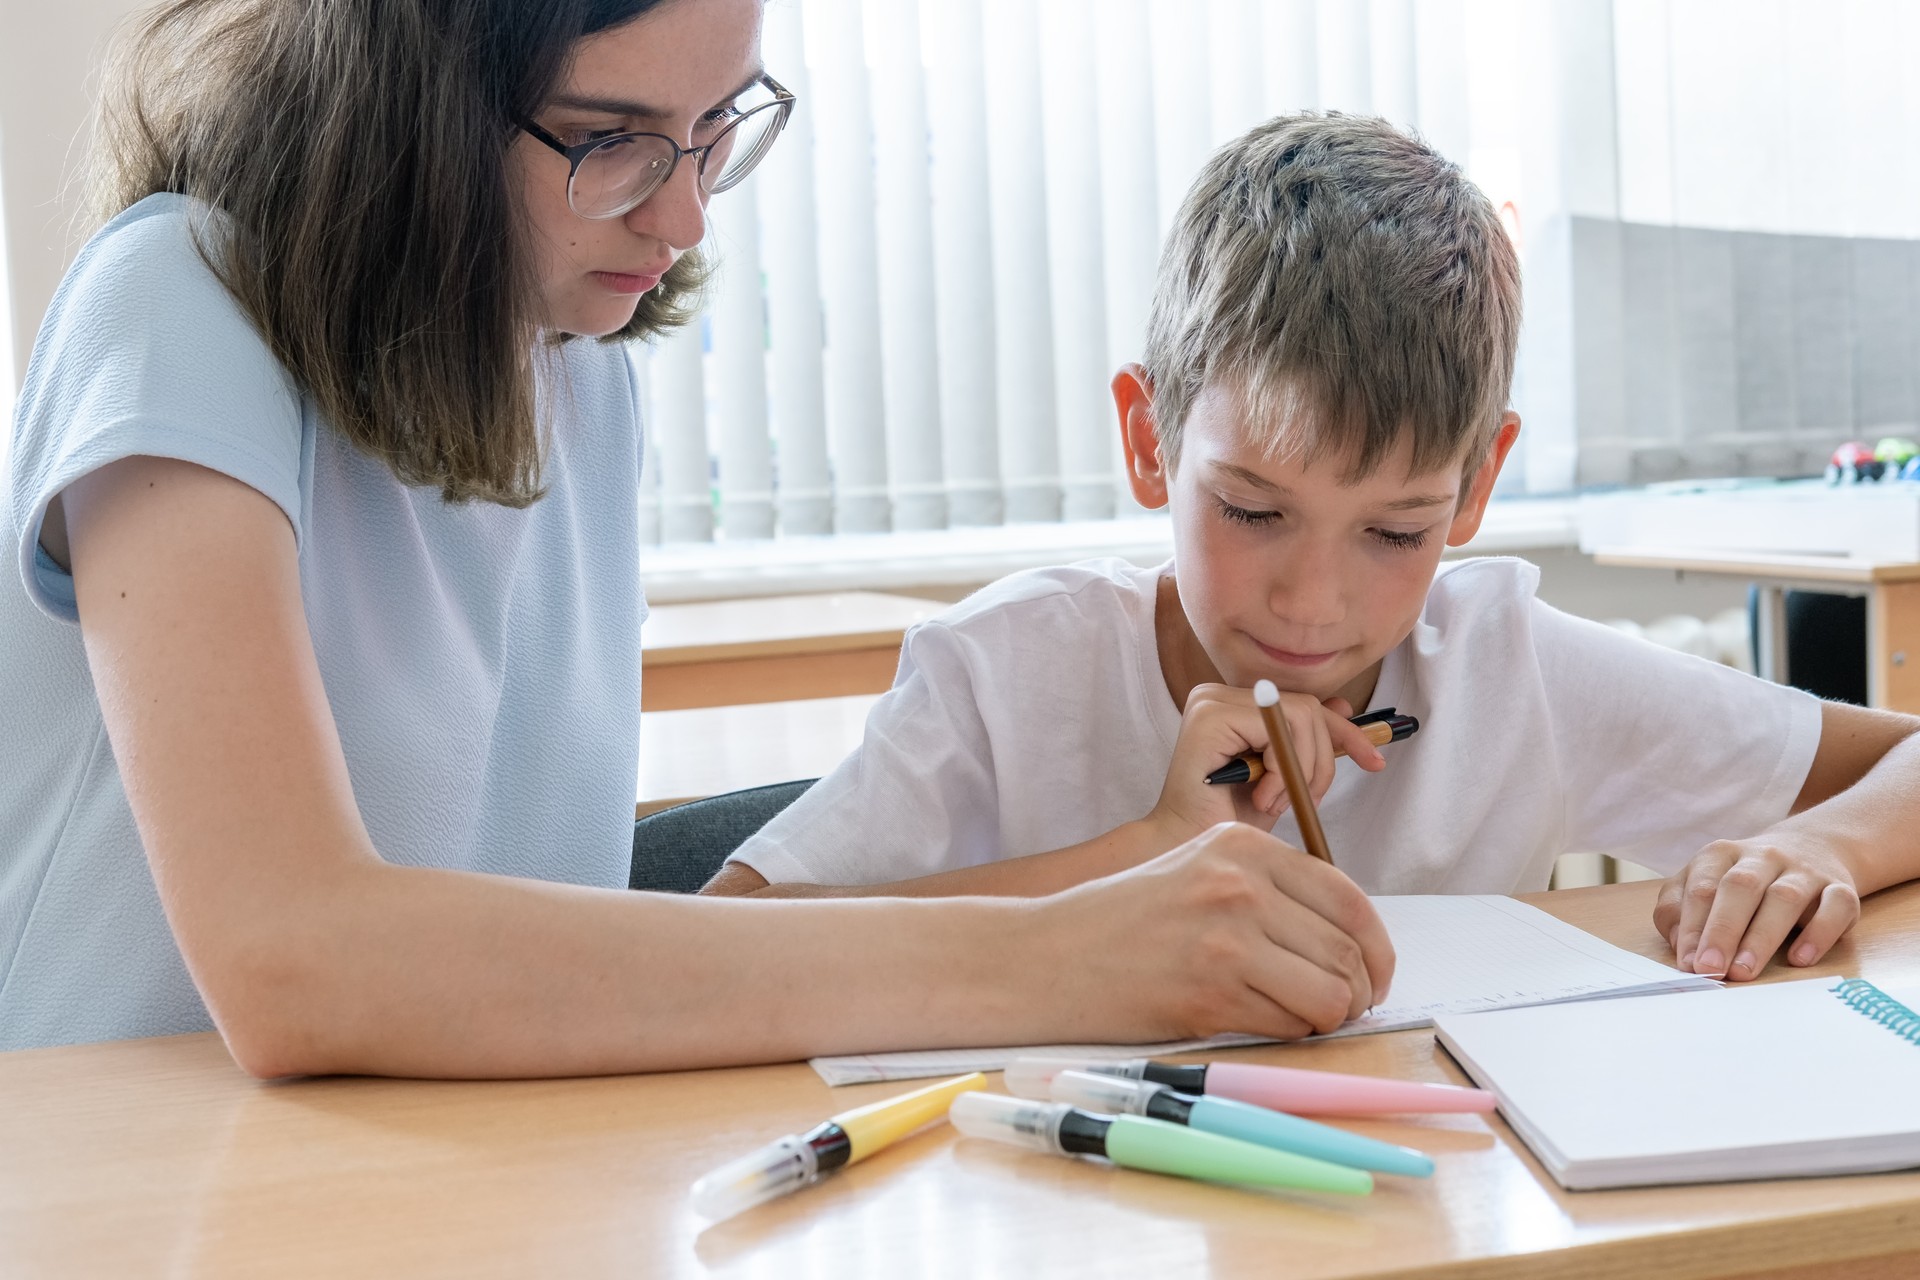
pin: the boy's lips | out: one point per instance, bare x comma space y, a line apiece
1288, 657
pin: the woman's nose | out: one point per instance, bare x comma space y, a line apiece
676, 213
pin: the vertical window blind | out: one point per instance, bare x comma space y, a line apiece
925, 288
923, 292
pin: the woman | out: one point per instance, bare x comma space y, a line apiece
317, 451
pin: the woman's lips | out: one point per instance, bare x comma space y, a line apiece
621, 282
1287, 657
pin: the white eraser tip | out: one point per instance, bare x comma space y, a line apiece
1265, 694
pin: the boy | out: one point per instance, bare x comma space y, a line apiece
1322, 406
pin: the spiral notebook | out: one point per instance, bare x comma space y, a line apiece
1784, 1080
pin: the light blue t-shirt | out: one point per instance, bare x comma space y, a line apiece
482, 663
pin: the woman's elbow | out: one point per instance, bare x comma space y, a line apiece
272, 1006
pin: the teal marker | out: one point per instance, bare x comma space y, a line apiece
1140, 1143
1240, 1120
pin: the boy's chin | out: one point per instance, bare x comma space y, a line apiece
1321, 682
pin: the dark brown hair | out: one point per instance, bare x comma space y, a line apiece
358, 152
1349, 286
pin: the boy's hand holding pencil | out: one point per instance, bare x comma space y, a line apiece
1220, 723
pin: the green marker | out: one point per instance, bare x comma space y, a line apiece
1111, 1095
1140, 1143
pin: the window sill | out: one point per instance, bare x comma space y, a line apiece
965, 557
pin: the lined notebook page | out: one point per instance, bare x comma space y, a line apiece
1771, 1081
1455, 954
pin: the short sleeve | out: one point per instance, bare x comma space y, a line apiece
143, 352
916, 797
1664, 752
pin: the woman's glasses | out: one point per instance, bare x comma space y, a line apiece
614, 174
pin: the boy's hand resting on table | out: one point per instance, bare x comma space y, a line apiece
1221, 722
1849, 834
1728, 910
1233, 931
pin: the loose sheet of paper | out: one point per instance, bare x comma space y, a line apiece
1455, 954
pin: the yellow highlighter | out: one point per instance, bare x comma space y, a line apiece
799, 1159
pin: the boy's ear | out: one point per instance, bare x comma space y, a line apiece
1139, 436
1479, 488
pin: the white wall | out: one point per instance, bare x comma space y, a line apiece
48, 56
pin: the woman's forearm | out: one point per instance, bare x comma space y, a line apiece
1033, 876
425, 972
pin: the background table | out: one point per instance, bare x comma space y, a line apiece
158, 1157
703, 751
1891, 587
717, 653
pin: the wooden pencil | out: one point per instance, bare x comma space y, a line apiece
1304, 814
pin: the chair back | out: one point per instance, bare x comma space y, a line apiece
679, 849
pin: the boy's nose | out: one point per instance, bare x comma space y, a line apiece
1310, 591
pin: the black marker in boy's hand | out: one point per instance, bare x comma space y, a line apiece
1222, 722
1381, 727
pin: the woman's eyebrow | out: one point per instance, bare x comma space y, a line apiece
638, 110
608, 106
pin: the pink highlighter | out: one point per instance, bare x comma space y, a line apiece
1289, 1089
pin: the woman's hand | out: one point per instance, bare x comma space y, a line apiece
1221, 722
1728, 910
1233, 931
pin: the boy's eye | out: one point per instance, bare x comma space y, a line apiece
1242, 515
1400, 541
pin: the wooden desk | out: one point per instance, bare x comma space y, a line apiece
1892, 589
158, 1157
774, 648
703, 751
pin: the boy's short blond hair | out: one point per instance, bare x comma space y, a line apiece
1349, 286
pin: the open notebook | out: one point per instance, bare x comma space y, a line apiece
1454, 954
1794, 1078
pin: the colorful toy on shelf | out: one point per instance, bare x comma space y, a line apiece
1911, 469
1893, 453
1851, 463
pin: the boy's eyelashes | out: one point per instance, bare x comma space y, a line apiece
1242, 515
1398, 539
1401, 541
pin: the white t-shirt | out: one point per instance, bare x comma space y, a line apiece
1034, 715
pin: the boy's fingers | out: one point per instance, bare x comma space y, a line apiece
1666, 910
1735, 900
1320, 775
1782, 905
1339, 706
1270, 793
1700, 883
1352, 739
1837, 911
